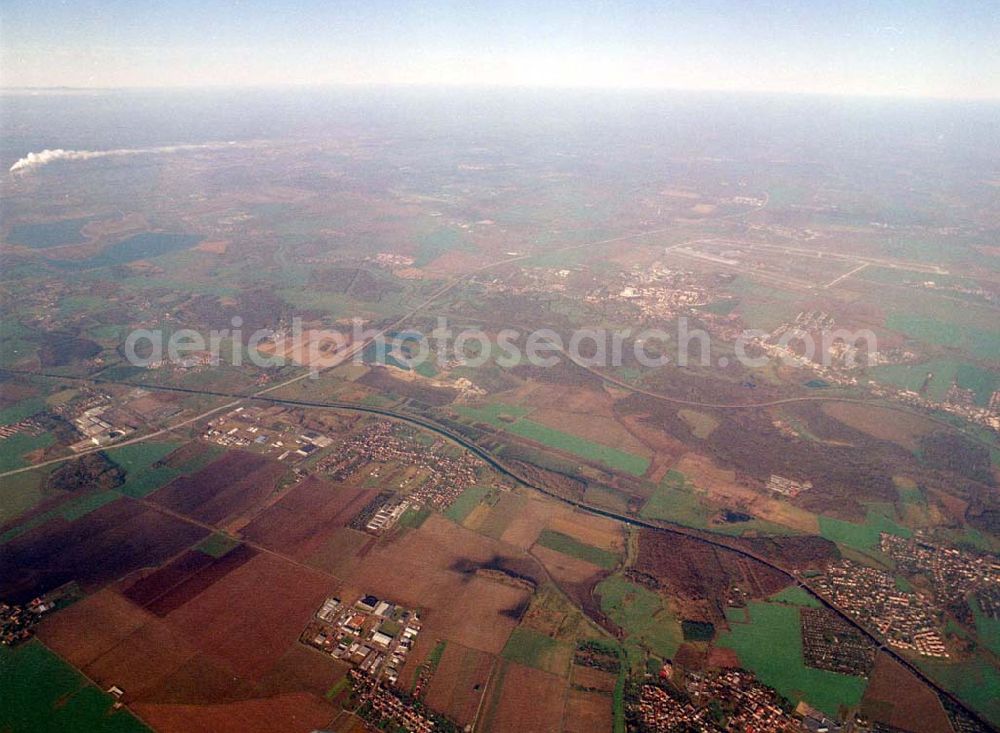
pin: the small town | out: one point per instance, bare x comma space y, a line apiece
906, 620
744, 704
445, 475
954, 573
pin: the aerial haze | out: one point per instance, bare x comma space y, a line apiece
443, 366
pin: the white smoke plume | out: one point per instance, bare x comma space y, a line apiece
33, 161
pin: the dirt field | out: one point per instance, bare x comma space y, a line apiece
599, 429
587, 712
593, 679
460, 682
253, 614
90, 627
341, 551
565, 569
222, 490
901, 428
524, 527
111, 542
590, 529
141, 661
281, 714
528, 701
177, 594
889, 686
303, 520
434, 568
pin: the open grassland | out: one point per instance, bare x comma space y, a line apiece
987, 628
574, 548
14, 448
21, 409
533, 649
965, 326
148, 468
642, 614
465, 503
511, 419
768, 641
861, 536
676, 500
796, 596
976, 681
40, 692
936, 377
19, 493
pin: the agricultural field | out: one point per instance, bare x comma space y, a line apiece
533, 649
574, 548
511, 419
618, 516
861, 536
768, 641
643, 615
41, 692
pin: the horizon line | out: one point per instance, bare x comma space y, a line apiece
446, 86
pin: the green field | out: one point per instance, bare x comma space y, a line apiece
533, 649
70, 511
440, 241
642, 614
975, 681
142, 477
770, 645
860, 536
19, 493
676, 500
413, 518
469, 499
945, 372
515, 423
987, 628
22, 409
574, 548
217, 545
796, 596
964, 326
40, 692
13, 449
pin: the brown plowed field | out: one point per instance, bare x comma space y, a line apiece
896, 697
301, 522
564, 568
459, 682
90, 627
250, 616
288, 713
588, 712
180, 593
109, 543
593, 679
530, 701
141, 661
223, 489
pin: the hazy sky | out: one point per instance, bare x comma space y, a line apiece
894, 47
